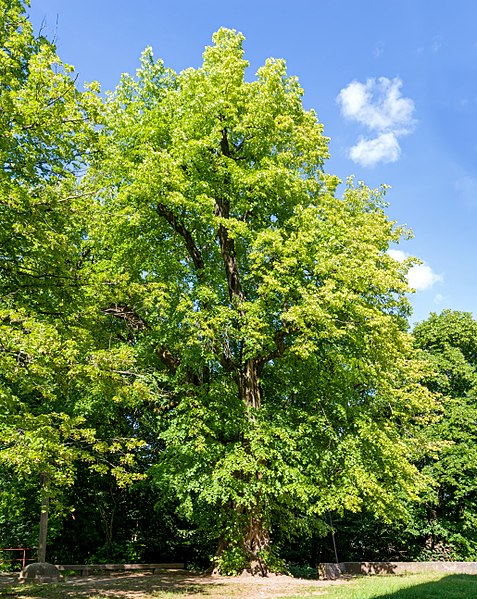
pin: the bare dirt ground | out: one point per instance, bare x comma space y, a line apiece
171, 584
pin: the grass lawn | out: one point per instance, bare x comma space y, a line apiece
190, 586
415, 586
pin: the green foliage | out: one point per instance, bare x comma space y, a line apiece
47, 131
232, 561
18, 511
450, 339
301, 571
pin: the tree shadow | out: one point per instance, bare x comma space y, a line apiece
331, 571
370, 568
453, 586
120, 587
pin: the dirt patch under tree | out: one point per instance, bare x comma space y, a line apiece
180, 584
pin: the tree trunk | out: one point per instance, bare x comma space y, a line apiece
248, 380
256, 540
254, 534
45, 502
256, 537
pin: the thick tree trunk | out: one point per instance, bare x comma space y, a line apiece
255, 537
256, 534
248, 380
255, 540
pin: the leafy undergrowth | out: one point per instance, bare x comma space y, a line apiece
416, 586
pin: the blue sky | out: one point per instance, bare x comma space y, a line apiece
394, 82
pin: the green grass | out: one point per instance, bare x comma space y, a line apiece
414, 586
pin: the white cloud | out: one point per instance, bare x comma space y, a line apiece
368, 152
378, 105
420, 276
398, 255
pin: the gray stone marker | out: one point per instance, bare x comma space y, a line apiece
40, 572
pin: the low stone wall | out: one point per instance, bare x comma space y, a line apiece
332, 571
87, 569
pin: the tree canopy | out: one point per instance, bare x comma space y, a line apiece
265, 306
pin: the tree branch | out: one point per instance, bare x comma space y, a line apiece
227, 244
134, 320
172, 362
181, 230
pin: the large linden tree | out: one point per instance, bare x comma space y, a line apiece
264, 308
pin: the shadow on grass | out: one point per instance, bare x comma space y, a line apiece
122, 587
453, 586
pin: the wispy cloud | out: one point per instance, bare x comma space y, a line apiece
466, 188
437, 44
420, 276
378, 50
379, 106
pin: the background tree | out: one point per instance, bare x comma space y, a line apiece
51, 367
447, 522
263, 309
46, 133
442, 524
